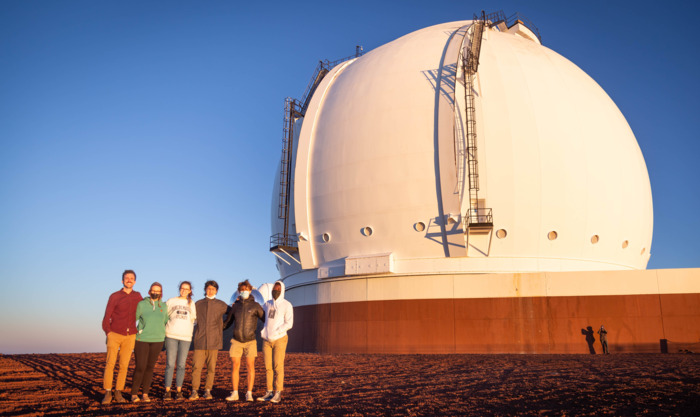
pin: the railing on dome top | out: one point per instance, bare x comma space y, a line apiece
493, 19
294, 109
323, 68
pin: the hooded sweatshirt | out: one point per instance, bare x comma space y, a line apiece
279, 316
152, 316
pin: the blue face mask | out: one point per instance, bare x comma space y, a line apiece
245, 294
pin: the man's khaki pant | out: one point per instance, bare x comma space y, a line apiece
118, 346
273, 352
200, 358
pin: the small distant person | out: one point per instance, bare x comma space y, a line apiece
208, 338
182, 314
244, 315
279, 317
119, 324
603, 336
152, 315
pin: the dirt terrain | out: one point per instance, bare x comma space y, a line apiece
370, 385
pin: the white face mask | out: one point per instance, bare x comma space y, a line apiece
245, 294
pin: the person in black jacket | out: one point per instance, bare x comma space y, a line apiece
244, 316
208, 338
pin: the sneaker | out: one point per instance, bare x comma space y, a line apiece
167, 396
249, 396
135, 398
193, 397
268, 395
108, 398
207, 395
277, 397
146, 398
233, 396
118, 397
180, 396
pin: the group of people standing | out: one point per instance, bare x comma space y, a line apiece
145, 325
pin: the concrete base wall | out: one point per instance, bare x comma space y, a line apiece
541, 324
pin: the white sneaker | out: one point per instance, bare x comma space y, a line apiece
233, 396
249, 396
267, 396
277, 397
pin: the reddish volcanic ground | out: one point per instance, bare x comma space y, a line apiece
359, 385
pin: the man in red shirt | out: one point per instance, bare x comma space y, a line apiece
119, 324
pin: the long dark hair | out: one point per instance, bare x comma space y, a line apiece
189, 296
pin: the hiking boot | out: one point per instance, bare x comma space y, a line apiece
135, 398
268, 395
277, 397
180, 396
108, 398
146, 398
118, 397
167, 396
193, 397
249, 396
207, 395
233, 396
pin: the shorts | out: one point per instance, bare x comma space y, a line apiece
247, 349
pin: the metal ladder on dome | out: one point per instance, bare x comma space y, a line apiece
285, 241
479, 220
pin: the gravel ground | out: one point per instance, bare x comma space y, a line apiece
371, 385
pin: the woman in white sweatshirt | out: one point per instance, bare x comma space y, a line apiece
178, 337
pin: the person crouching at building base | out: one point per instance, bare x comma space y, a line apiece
244, 315
119, 324
208, 338
152, 314
279, 317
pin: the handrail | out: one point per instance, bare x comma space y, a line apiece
494, 18
324, 67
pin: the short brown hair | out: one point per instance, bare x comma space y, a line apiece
244, 284
128, 271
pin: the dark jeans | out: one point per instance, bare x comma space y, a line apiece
146, 357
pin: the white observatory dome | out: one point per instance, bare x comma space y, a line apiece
381, 165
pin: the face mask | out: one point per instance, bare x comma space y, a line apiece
245, 294
155, 296
276, 294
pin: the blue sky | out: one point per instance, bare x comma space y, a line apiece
146, 135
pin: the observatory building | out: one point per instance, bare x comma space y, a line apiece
466, 189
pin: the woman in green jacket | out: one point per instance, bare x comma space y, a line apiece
152, 314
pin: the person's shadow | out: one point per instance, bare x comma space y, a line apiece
590, 339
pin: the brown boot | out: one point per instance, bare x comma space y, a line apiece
108, 398
118, 397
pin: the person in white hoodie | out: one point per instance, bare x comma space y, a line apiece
279, 317
178, 337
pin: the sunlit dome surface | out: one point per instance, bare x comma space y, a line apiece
381, 171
